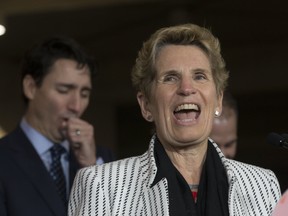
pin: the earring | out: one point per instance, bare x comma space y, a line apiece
149, 118
217, 113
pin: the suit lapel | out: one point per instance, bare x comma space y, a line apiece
31, 164
73, 168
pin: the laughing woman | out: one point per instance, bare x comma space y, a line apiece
180, 77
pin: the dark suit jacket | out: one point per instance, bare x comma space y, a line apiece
26, 188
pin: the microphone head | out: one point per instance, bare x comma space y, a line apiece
285, 136
275, 139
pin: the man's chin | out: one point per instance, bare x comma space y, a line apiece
62, 135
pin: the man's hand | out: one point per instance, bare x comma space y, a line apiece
80, 135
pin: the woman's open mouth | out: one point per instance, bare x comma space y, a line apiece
187, 112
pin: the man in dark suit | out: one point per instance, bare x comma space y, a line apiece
56, 83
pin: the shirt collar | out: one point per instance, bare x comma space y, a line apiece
41, 143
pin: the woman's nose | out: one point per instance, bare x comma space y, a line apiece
186, 87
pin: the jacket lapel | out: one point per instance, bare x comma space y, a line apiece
73, 168
235, 200
31, 164
155, 199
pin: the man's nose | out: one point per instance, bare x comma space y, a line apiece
75, 103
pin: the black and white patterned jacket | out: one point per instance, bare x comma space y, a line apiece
123, 188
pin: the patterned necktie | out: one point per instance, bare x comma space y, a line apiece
56, 171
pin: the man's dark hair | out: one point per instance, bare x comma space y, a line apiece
39, 59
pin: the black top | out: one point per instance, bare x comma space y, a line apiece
212, 192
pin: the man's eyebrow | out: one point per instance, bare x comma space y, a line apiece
73, 86
66, 85
86, 88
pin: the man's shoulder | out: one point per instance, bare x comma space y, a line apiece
5, 140
13, 142
17, 133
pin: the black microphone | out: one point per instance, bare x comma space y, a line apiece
278, 140
285, 136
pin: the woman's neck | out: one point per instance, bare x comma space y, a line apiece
189, 162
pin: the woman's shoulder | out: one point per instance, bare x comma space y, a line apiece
253, 179
110, 175
238, 168
113, 166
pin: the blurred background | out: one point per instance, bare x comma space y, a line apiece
253, 36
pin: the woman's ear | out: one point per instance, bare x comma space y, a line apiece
218, 109
29, 87
144, 106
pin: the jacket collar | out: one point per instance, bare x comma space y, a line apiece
150, 169
147, 161
226, 163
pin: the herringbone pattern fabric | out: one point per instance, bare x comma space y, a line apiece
56, 171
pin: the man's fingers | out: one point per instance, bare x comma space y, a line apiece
76, 145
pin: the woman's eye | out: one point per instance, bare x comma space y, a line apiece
200, 76
170, 79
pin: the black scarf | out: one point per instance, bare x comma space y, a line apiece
212, 192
